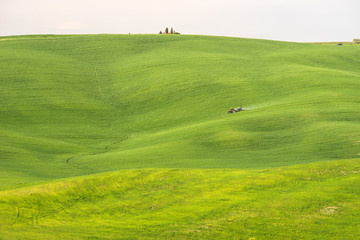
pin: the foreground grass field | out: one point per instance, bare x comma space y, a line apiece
311, 201
145, 116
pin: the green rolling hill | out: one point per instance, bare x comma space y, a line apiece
145, 115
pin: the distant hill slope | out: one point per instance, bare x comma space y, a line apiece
77, 105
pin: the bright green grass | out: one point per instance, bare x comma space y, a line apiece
154, 107
310, 201
77, 105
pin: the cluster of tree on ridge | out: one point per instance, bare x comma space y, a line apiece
356, 40
172, 31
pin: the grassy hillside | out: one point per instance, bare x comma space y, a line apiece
145, 116
77, 105
311, 201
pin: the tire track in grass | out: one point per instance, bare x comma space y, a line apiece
98, 83
106, 149
110, 144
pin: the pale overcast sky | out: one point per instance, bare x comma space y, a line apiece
287, 20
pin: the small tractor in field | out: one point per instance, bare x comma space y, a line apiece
234, 110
